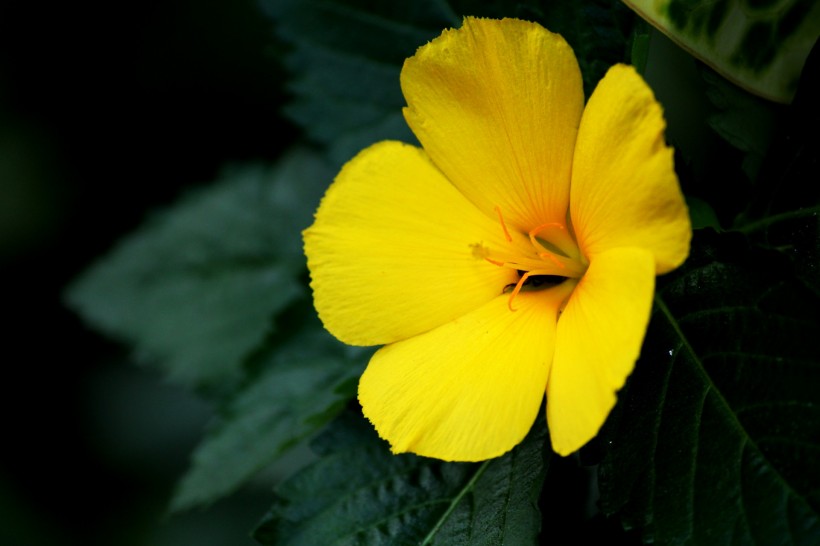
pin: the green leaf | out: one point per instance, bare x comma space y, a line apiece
359, 493
196, 288
345, 60
761, 45
599, 31
702, 214
784, 214
741, 119
346, 56
639, 46
716, 437
303, 385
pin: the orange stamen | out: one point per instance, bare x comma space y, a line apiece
521, 282
539, 229
551, 256
503, 225
516, 290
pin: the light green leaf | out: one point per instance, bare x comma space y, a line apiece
196, 288
358, 493
760, 45
303, 385
716, 437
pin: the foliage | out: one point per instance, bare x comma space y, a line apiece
358, 493
760, 45
716, 436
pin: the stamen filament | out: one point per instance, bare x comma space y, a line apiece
521, 282
535, 231
551, 256
549, 262
503, 225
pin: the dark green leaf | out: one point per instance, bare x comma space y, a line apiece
639, 45
717, 435
345, 59
303, 385
701, 214
195, 289
504, 504
346, 56
599, 31
784, 213
742, 119
359, 493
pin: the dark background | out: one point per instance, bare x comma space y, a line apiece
108, 111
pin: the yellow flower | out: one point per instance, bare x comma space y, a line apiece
514, 254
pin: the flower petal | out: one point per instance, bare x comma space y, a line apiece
496, 105
470, 389
624, 188
396, 250
597, 343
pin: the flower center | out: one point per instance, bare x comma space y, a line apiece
554, 256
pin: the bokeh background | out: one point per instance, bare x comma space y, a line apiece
107, 112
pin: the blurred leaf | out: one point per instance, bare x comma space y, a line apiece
784, 213
359, 493
760, 45
716, 437
702, 214
639, 46
741, 119
303, 386
346, 56
195, 289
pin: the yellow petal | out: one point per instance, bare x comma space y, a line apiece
396, 250
598, 341
470, 389
624, 188
496, 105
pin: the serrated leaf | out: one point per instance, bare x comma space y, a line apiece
195, 289
346, 56
303, 385
345, 62
716, 436
504, 508
761, 45
359, 493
